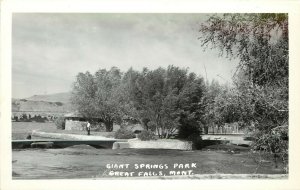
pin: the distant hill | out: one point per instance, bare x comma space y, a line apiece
52, 103
58, 97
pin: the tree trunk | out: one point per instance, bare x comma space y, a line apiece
108, 126
167, 135
206, 129
144, 124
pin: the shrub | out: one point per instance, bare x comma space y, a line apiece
146, 135
39, 119
60, 123
97, 127
197, 141
124, 134
274, 142
187, 129
24, 117
58, 103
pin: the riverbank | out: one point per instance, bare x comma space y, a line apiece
121, 143
48, 131
20, 130
87, 162
67, 136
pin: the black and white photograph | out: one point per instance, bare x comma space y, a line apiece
153, 96
96, 96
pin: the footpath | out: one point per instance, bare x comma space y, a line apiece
67, 136
120, 143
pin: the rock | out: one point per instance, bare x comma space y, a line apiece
161, 144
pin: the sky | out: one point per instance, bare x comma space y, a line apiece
49, 50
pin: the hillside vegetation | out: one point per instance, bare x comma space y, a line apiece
43, 103
58, 97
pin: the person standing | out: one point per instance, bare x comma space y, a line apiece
88, 128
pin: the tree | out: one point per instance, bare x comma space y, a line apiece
60, 123
260, 42
96, 96
24, 117
154, 101
222, 105
165, 99
191, 102
212, 90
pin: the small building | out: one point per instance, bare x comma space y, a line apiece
76, 121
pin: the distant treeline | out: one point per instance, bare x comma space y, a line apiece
33, 118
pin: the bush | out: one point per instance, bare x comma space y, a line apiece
97, 127
58, 103
187, 129
60, 123
38, 118
24, 117
124, 134
197, 141
274, 142
146, 135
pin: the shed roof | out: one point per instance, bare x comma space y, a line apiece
73, 114
76, 114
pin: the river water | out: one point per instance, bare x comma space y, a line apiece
83, 161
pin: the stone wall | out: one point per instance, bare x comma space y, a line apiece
161, 144
70, 136
75, 125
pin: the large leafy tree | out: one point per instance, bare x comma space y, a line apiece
97, 96
166, 100
213, 90
260, 42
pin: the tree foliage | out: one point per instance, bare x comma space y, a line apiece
124, 134
96, 96
166, 99
163, 100
60, 123
260, 42
146, 135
